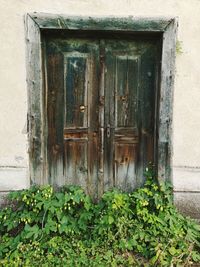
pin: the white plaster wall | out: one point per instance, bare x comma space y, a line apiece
13, 96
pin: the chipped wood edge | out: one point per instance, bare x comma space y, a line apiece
130, 23
165, 133
34, 92
35, 23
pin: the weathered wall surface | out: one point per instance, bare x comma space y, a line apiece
13, 95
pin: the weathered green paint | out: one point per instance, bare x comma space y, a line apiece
131, 23
35, 116
165, 138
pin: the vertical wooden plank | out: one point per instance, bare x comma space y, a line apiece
44, 122
110, 72
93, 121
121, 96
126, 125
147, 104
126, 90
35, 100
55, 115
75, 161
141, 145
125, 166
101, 119
166, 102
148, 91
132, 92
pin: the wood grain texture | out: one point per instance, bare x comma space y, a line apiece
35, 100
101, 119
126, 91
110, 142
109, 123
165, 134
157, 138
131, 23
72, 80
130, 109
75, 65
55, 115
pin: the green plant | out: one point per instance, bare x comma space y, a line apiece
46, 227
179, 49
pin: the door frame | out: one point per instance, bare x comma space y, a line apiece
37, 23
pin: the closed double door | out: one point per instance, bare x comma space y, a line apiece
101, 111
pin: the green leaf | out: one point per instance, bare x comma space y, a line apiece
110, 219
172, 251
64, 220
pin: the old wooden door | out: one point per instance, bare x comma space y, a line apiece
101, 111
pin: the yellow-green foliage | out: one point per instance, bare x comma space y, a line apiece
43, 227
179, 49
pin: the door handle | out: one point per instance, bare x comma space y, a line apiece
108, 130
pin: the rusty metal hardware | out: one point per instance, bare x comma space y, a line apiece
82, 108
123, 98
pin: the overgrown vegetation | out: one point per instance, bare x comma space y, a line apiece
43, 227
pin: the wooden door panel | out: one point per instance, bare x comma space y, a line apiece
130, 95
126, 128
76, 100
126, 91
125, 166
73, 112
147, 105
55, 99
76, 162
121, 136
101, 112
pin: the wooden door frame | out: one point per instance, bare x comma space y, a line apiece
37, 23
